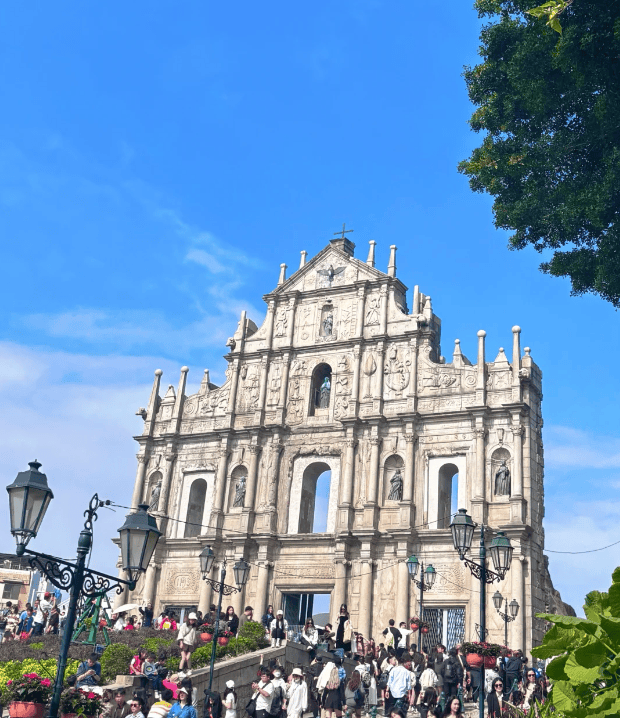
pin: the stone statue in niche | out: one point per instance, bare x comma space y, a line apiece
502, 480
239, 493
372, 315
325, 391
396, 486
281, 323
154, 502
328, 325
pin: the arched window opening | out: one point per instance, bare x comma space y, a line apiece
393, 477
314, 504
320, 389
238, 483
195, 508
447, 495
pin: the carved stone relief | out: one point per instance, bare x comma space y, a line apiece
396, 370
183, 581
373, 310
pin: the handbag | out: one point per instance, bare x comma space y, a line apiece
250, 708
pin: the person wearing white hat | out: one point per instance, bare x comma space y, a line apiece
183, 708
296, 695
187, 638
229, 699
279, 629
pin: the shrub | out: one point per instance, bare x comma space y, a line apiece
13, 670
115, 661
254, 630
153, 645
29, 688
239, 646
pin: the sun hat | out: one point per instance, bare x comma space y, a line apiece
280, 611
192, 616
183, 689
297, 672
230, 684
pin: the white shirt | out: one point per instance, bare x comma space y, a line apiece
232, 711
44, 607
262, 703
120, 624
297, 697
403, 641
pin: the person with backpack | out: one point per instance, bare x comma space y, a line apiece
392, 634
451, 673
278, 699
354, 695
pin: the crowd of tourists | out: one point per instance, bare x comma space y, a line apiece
35, 620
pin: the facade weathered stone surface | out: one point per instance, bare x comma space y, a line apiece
343, 376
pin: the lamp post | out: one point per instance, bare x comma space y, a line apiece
29, 497
498, 599
241, 571
424, 583
462, 527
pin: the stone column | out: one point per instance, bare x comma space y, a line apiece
286, 365
291, 322
121, 598
412, 389
234, 383
409, 466
373, 473
480, 479
339, 595
384, 310
262, 395
361, 307
402, 595
517, 581
262, 589
220, 486
516, 364
148, 595
365, 615
517, 478
357, 360
204, 599
481, 396
346, 498
379, 378
170, 456
138, 488
271, 313
250, 494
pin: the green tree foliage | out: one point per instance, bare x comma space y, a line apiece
549, 105
115, 661
585, 669
255, 631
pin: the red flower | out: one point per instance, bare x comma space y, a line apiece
92, 695
46, 682
9, 682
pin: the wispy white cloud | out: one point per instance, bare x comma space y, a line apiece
199, 256
568, 447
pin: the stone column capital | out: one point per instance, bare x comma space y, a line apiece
142, 458
170, 455
375, 440
350, 443
517, 431
410, 438
254, 449
480, 433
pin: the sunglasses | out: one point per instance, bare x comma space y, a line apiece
498, 685
134, 705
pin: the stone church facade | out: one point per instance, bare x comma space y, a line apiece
343, 376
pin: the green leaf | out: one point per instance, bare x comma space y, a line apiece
580, 624
615, 576
611, 626
584, 664
557, 640
562, 696
614, 599
555, 669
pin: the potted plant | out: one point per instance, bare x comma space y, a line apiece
207, 632
416, 623
224, 638
478, 652
76, 702
28, 695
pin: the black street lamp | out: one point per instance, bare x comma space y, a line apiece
241, 571
29, 497
462, 527
425, 582
498, 599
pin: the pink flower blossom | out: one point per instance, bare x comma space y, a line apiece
92, 695
46, 682
9, 682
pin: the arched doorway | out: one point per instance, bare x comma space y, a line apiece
314, 503
447, 499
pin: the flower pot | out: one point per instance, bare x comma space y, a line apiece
414, 626
424, 629
19, 709
490, 661
223, 640
474, 660
206, 637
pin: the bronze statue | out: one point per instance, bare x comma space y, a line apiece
502, 480
324, 394
239, 493
396, 487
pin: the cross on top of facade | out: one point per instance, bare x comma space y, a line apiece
343, 231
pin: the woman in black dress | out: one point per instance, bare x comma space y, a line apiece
333, 698
343, 629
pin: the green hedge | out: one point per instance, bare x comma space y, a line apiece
115, 661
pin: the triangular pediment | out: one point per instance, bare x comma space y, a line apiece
331, 267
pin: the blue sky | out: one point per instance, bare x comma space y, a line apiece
158, 161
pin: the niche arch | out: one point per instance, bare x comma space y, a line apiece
306, 471
393, 463
151, 483
497, 456
320, 373
239, 472
191, 502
